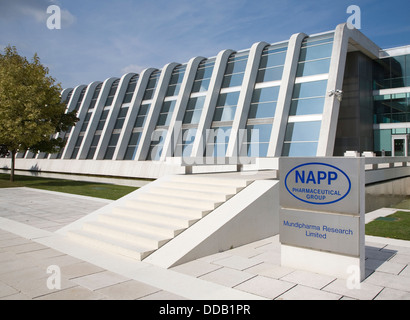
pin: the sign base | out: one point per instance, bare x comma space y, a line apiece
336, 265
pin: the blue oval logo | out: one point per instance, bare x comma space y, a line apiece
317, 183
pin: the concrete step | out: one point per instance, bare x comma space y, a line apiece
180, 200
116, 246
190, 194
126, 234
165, 230
213, 180
202, 187
154, 217
176, 210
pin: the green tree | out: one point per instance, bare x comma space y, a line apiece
31, 110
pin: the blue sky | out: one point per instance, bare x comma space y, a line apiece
102, 39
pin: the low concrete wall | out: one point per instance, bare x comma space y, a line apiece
386, 194
133, 169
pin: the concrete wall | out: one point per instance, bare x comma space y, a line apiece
124, 168
386, 194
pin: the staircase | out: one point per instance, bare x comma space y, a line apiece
155, 215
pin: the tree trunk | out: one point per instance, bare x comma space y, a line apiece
13, 160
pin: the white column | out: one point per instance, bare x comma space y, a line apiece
175, 125
72, 103
112, 116
132, 114
285, 95
210, 102
245, 97
95, 118
154, 111
81, 115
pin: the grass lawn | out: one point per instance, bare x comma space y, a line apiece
98, 190
395, 226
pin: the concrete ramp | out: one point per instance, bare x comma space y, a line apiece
181, 217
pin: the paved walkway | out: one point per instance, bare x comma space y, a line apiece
33, 258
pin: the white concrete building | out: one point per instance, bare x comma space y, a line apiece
311, 95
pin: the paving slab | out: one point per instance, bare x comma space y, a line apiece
265, 287
270, 270
236, 262
392, 294
384, 266
367, 291
227, 277
388, 280
79, 269
73, 293
6, 290
308, 279
99, 280
196, 268
127, 290
163, 295
301, 292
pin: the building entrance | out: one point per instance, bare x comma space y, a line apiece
400, 145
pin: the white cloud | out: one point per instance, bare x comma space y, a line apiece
132, 68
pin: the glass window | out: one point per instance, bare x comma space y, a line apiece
95, 97
297, 149
133, 146
111, 94
157, 144
271, 74
103, 118
262, 110
265, 94
303, 131
93, 146
258, 133
235, 70
176, 81
272, 60
310, 89
315, 55
271, 63
225, 113
203, 76
232, 80
307, 106
263, 103
130, 89
151, 86
194, 110
80, 99
316, 52
166, 113
218, 142
301, 139
184, 147
228, 99
313, 67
